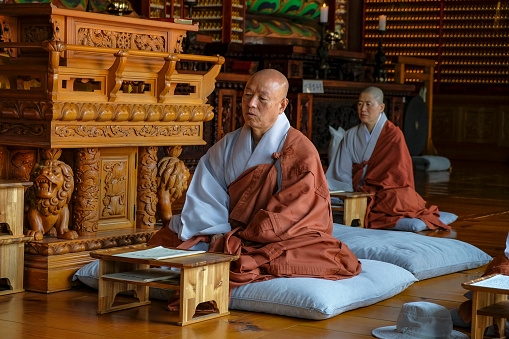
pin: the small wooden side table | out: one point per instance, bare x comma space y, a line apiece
203, 277
12, 239
354, 206
489, 305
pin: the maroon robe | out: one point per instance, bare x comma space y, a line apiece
390, 178
286, 233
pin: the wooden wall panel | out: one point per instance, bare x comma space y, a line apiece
471, 127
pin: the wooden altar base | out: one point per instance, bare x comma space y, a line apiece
51, 263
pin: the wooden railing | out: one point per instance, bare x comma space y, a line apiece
112, 84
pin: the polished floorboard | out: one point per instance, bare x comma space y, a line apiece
477, 192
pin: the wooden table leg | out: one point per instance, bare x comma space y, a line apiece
355, 208
480, 322
108, 290
500, 322
202, 284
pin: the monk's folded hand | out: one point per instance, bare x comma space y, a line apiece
214, 238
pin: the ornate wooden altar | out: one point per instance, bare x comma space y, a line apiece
98, 93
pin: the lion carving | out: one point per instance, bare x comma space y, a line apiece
172, 177
48, 199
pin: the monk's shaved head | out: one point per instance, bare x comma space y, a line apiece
276, 78
370, 106
376, 92
264, 100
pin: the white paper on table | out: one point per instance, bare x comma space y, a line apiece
498, 281
158, 253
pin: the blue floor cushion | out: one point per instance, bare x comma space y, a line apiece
317, 299
426, 257
307, 298
431, 163
417, 225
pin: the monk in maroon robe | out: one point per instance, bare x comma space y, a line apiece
261, 193
373, 157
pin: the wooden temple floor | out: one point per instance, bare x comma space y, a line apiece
477, 192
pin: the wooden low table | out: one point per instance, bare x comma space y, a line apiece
203, 277
489, 305
354, 206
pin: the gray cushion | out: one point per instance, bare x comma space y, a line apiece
417, 225
431, 163
426, 257
317, 299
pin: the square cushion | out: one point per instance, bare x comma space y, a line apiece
417, 225
308, 298
317, 299
431, 163
426, 257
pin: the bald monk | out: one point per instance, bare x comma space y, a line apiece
260, 192
373, 157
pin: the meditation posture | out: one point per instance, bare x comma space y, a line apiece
260, 192
373, 158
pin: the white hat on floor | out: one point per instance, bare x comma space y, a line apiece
421, 320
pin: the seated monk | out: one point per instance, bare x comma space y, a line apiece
373, 157
260, 193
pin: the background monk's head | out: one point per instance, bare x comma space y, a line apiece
263, 100
370, 106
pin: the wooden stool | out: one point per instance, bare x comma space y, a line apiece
354, 206
203, 277
12, 240
489, 304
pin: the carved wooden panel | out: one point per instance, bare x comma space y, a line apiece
147, 187
479, 124
504, 127
3, 162
227, 119
471, 127
303, 116
333, 112
291, 68
445, 123
120, 39
396, 111
21, 163
118, 188
86, 193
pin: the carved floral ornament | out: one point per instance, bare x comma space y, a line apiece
119, 39
5, 36
114, 131
30, 110
14, 129
87, 244
72, 111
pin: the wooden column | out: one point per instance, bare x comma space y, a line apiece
86, 193
147, 187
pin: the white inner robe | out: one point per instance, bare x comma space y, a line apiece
207, 203
354, 149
